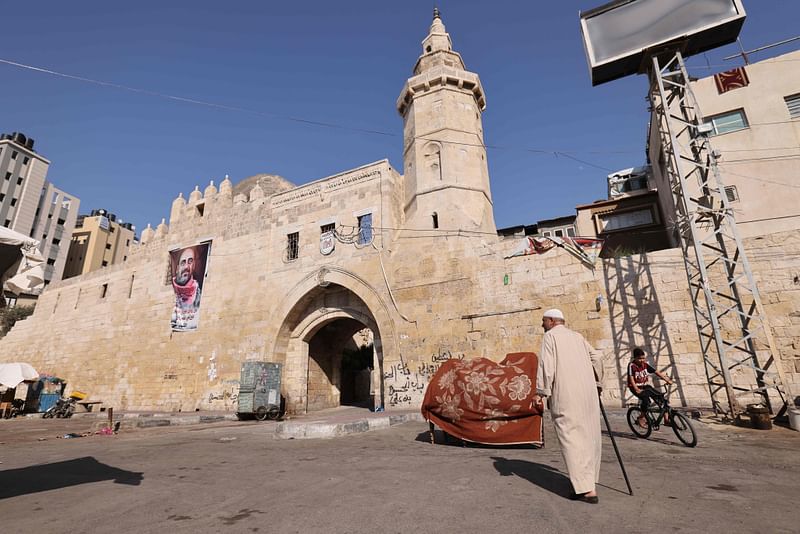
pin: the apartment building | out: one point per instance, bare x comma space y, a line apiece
99, 239
752, 116
31, 205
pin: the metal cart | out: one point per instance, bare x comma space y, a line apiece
260, 390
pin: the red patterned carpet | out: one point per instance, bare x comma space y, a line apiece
486, 402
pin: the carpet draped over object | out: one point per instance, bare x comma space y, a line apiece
486, 402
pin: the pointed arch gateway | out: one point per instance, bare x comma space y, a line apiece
326, 320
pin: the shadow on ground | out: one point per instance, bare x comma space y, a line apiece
656, 439
541, 475
45, 477
443, 438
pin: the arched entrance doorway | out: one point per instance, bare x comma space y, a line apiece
332, 351
340, 364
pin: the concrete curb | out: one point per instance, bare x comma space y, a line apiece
131, 421
320, 430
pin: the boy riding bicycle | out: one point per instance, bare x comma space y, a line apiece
639, 372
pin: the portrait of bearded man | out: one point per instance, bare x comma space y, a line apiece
188, 268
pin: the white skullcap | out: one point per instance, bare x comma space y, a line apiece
554, 313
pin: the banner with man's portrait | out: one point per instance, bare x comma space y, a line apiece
187, 273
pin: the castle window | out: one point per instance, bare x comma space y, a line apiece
14, 155
365, 229
292, 246
51, 261
732, 193
25, 160
19, 180
103, 291
104, 264
435, 218
327, 228
8, 176
200, 208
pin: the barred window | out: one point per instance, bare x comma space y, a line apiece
292, 246
327, 228
365, 229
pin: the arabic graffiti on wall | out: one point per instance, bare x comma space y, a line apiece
225, 395
406, 385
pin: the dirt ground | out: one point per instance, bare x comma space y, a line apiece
237, 477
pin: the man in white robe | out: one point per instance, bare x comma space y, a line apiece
569, 373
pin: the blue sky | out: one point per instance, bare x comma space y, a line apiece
341, 63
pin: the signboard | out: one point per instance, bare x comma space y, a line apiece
188, 272
617, 35
629, 219
327, 243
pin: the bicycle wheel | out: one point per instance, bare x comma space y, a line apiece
635, 413
683, 429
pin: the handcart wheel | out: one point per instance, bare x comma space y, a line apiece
273, 413
262, 413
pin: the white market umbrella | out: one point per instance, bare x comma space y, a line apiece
11, 374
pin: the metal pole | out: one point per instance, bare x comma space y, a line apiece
614, 443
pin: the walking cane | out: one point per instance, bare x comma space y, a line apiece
614, 443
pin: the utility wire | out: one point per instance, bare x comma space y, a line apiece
300, 120
556, 153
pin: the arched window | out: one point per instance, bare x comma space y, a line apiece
433, 158
435, 218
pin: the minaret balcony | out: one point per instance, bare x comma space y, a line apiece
467, 82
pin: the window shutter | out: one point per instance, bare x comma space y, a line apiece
793, 103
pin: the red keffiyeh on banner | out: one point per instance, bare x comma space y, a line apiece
486, 402
585, 249
731, 79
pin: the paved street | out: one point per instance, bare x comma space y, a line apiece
237, 477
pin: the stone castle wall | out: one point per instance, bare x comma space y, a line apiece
428, 296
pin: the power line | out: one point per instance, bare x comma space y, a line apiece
765, 158
760, 149
555, 153
765, 180
301, 120
731, 67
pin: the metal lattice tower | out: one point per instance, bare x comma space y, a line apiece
741, 361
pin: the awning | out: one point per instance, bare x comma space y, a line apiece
21, 263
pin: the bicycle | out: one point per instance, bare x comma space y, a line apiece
655, 416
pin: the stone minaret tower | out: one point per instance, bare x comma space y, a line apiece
446, 173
